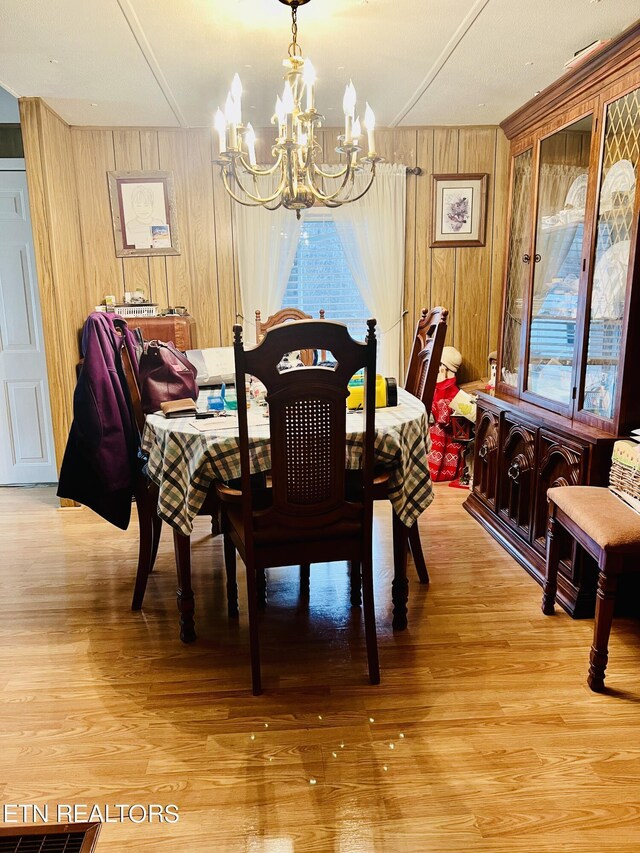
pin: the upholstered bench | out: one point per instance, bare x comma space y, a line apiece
607, 529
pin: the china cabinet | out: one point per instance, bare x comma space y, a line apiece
569, 356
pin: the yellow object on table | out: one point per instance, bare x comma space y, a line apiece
386, 392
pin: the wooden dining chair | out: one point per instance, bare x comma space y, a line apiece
421, 379
422, 373
424, 362
286, 315
146, 495
305, 515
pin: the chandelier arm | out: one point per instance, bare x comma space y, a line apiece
266, 206
364, 191
338, 174
234, 196
323, 197
255, 201
255, 171
257, 198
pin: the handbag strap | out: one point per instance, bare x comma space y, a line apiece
169, 346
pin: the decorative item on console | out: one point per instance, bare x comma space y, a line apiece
493, 367
135, 304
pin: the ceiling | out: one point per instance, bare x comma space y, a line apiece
417, 62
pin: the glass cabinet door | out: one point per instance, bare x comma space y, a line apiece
613, 232
517, 269
562, 195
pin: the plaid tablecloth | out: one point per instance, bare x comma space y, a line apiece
184, 461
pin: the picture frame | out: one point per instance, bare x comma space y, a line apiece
144, 215
459, 210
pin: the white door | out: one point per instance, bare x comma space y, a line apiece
26, 439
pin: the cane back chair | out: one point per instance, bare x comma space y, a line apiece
305, 515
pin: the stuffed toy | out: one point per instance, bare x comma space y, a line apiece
445, 458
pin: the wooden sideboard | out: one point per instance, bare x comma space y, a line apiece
519, 454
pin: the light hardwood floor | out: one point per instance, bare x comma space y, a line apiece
482, 735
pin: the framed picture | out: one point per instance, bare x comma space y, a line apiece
459, 210
143, 208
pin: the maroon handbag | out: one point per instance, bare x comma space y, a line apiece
165, 374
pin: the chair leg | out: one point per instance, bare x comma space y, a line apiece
186, 607
416, 552
156, 523
305, 579
145, 547
605, 601
153, 496
355, 577
400, 585
232, 584
261, 589
254, 639
550, 587
370, 620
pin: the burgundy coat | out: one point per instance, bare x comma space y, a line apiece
99, 468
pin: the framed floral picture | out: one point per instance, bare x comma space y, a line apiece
459, 210
143, 208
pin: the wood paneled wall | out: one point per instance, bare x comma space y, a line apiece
77, 266
467, 281
196, 278
51, 178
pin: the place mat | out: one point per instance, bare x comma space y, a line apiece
255, 417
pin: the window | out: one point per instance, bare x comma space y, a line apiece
320, 277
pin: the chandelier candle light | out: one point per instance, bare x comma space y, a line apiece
302, 182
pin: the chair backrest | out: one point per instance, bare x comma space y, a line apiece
134, 390
422, 373
307, 420
286, 315
132, 386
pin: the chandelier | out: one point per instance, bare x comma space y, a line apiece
298, 179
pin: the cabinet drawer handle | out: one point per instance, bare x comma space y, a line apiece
537, 258
526, 259
513, 472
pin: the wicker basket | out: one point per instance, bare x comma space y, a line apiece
625, 468
133, 310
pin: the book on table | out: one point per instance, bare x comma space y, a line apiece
184, 408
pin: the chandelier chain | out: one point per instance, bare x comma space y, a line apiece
294, 47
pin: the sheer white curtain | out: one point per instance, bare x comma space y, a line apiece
266, 242
372, 231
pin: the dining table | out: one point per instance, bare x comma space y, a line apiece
186, 456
